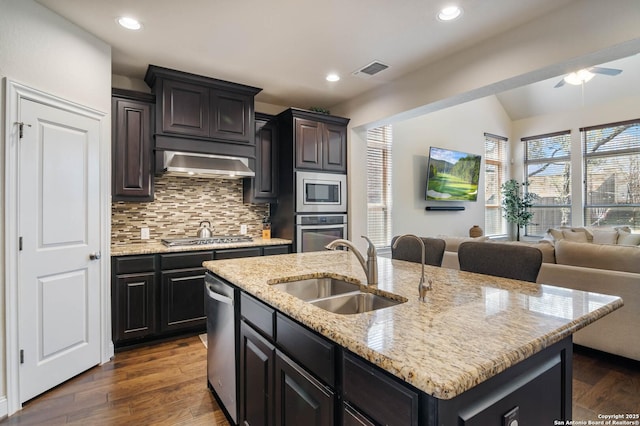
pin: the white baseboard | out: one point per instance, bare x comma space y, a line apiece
4, 407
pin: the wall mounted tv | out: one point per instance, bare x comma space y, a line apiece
452, 175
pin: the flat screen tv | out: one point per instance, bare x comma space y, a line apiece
452, 175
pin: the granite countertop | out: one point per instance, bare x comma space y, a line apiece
152, 247
470, 328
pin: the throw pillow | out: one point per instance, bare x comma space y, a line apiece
628, 239
576, 237
605, 236
556, 234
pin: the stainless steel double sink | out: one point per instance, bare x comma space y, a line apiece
336, 295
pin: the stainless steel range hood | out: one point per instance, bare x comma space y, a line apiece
206, 165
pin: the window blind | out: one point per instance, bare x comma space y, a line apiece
496, 164
612, 174
379, 203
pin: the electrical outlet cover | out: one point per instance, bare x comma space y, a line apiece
243, 229
144, 234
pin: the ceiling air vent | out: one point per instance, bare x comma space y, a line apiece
371, 69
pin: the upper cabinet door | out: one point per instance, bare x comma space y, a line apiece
308, 144
334, 155
131, 150
185, 109
232, 117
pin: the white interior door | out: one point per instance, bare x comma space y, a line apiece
58, 223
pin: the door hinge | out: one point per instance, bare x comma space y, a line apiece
20, 244
21, 356
21, 128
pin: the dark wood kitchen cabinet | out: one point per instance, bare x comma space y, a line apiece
264, 187
133, 292
318, 140
202, 114
132, 177
161, 295
182, 291
300, 398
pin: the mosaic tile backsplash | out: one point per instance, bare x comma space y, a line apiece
180, 204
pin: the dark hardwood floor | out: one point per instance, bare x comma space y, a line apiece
165, 384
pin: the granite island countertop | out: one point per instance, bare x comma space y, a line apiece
152, 247
471, 327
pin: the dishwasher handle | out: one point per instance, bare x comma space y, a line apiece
219, 297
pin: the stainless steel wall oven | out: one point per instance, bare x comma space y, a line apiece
313, 232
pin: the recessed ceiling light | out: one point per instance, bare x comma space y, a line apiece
129, 23
449, 13
333, 77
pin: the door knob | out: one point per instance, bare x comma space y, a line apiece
95, 256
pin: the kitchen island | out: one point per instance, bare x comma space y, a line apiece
477, 343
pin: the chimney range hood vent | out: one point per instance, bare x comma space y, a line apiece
206, 165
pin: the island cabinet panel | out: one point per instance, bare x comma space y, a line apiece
257, 358
352, 417
536, 391
273, 250
259, 315
133, 294
314, 352
300, 399
132, 177
365, 386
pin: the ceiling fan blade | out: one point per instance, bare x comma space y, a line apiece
605, 71
560, 83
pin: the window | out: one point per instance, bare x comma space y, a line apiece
379, 185
547, 164
612, 174
495, 174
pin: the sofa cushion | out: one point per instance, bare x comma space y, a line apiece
600, 256
575, 236
452, 243
605, 236
546, 247
628, 239
557, 234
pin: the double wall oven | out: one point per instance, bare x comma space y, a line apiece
321, 209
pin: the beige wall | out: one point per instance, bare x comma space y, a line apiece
460, 128
41, 50
586, 32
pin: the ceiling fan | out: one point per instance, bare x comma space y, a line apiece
582, 76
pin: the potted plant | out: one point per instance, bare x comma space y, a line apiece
516, 202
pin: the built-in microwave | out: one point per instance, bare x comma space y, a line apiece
321, 192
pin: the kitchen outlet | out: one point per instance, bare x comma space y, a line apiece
243, 229
144, 233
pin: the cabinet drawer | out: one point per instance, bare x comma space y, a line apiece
132, 264
365, 386
184, 260
309, 349
235, 253
261, 316
271, 250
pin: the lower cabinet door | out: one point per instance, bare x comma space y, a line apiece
133, 307
257, 357
182, 299
300, 398
351, 417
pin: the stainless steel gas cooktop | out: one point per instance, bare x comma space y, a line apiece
216, 239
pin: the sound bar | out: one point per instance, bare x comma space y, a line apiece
445, 208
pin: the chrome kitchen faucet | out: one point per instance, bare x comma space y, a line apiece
370, 266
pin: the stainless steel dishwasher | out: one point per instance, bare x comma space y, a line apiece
221, 311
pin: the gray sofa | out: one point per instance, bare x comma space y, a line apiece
599, 268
